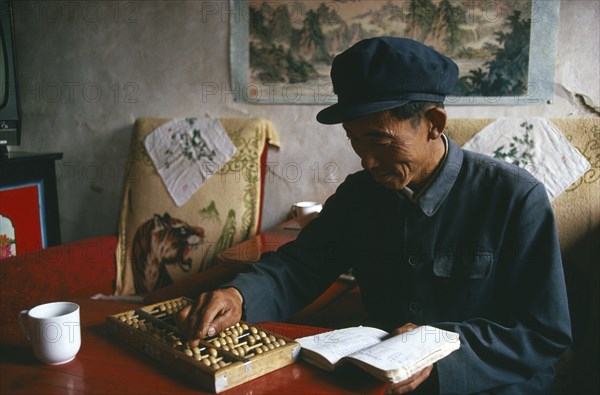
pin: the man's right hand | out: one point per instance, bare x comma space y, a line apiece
210, 314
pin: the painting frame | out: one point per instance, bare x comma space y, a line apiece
24, 208
540, 73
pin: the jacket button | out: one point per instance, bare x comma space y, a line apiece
414, 307
413, 260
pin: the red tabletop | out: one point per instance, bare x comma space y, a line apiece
105, 366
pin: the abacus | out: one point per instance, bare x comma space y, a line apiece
236, 355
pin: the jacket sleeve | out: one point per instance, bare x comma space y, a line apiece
284, 281
531, 329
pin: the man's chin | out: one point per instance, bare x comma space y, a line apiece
393, 186
389, 182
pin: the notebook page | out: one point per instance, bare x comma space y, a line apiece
410, 351
337, 344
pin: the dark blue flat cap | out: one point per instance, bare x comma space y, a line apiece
382, 73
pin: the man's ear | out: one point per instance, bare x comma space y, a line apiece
437, 116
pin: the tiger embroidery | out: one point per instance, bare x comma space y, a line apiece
159, 242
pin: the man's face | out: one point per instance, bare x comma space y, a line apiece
393, 151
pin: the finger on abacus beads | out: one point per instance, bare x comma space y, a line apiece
244, 341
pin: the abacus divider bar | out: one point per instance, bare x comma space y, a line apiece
230, 355
157, 322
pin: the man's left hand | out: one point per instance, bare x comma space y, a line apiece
411, 383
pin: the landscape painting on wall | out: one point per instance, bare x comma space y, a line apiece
282, 50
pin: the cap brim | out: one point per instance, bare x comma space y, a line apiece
343, 112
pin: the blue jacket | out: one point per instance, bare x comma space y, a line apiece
477, 254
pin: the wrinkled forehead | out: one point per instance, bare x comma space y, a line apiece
382, 124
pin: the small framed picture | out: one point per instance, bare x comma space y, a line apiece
22, 224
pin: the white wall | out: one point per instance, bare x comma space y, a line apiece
89, 69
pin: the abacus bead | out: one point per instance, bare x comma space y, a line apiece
235, 352
272, 338
229, 340
198, 357
225, 347
188, 352
196, 350
207, 362
245, 327
122, 318
162, 307
245, 348
257, 337
251, 340
222, 334
271, 346
213, 352
259, 350
281, 342
262, 334
265, 348
222, 363
212, 359
241, 351
253, 330
266, 340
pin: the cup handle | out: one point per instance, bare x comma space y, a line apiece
22, 323
293, 212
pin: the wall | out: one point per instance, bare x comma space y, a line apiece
89, 69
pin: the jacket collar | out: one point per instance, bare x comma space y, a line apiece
433, 197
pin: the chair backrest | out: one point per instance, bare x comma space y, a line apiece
159, 241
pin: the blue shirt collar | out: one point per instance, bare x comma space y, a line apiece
433, 197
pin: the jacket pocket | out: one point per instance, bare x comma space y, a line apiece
472, 267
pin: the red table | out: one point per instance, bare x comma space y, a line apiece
107, 367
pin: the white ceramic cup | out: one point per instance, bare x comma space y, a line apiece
53, 330
304, 212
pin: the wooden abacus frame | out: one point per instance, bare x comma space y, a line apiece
226, 362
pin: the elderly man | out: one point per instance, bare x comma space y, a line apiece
436, 235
